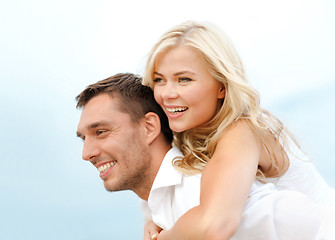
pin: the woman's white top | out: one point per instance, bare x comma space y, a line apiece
302, 176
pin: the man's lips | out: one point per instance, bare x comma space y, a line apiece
105, 168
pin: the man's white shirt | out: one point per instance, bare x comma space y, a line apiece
172, 193
268, 213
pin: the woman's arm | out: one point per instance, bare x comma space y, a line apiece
225, 185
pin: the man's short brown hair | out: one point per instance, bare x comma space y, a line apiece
135, 98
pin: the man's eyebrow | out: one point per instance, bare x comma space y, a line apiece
92, 126
97, 124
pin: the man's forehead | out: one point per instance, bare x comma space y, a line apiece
102, 99
98, 109
100, 105
101, 110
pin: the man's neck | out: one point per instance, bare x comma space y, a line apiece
157, 152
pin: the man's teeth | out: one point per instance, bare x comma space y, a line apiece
106, 166
176, 110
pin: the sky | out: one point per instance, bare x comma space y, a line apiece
51, 50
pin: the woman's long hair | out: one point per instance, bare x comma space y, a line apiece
241, 99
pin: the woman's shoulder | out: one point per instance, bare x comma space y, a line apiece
240, 126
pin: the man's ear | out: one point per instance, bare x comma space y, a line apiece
153, 126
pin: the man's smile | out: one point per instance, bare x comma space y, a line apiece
105, 168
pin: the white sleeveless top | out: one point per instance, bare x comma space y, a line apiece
303, 177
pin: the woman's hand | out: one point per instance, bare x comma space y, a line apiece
163, 235
151, 230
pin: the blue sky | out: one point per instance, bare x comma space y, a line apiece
51, 50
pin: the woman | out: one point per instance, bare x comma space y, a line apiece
199, 81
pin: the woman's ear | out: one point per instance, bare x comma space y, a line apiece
222, 92
153, 126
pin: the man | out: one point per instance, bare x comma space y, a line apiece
121, 133
127, 138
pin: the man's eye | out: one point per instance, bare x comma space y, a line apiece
99, 132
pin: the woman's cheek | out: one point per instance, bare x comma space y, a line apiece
157, 96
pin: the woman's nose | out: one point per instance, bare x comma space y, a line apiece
169, 91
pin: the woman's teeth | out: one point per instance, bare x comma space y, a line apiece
176, 110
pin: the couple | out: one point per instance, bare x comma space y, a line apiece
199, 81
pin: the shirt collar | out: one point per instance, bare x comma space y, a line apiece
167, 174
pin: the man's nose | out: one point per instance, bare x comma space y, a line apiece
90, 150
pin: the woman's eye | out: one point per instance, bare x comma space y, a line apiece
185, 79
157, 80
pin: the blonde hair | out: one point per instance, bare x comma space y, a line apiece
241, 99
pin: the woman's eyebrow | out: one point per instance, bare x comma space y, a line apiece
177, 73
183, 72
157, 73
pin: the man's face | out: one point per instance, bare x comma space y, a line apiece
114, 144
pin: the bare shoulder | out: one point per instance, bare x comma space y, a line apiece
229, 174
240, 132
241, 136
238, 147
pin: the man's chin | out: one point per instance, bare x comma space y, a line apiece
109, 187
112, 187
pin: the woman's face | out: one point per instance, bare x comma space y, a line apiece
185, 89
